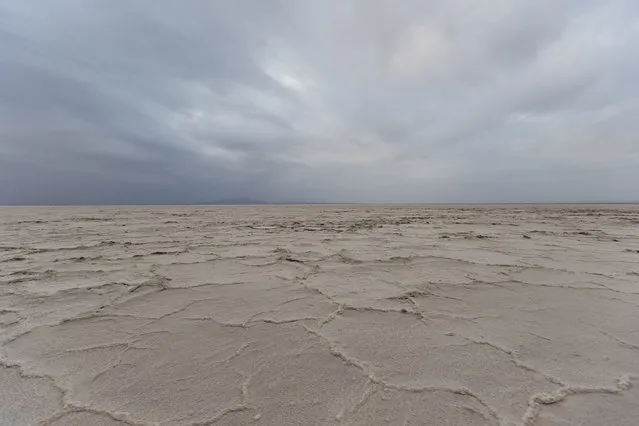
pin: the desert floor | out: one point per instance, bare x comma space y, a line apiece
319, 315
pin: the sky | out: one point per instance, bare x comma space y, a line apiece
417, 101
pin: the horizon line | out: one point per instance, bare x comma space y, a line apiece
504, 203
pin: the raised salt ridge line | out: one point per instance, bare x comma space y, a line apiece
509, 316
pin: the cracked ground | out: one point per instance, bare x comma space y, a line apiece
319, 315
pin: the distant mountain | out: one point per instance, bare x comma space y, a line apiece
235, 202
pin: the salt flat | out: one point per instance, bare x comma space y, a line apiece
320, 315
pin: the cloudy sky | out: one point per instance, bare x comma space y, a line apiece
188, 101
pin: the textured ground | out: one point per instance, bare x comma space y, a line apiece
319, 315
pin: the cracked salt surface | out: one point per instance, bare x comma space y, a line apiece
319, 315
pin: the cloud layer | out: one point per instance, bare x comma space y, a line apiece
340, 101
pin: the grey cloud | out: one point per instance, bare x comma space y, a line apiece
364, 101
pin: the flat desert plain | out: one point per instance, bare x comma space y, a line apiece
320, 315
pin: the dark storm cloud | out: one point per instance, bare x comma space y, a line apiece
162, 101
